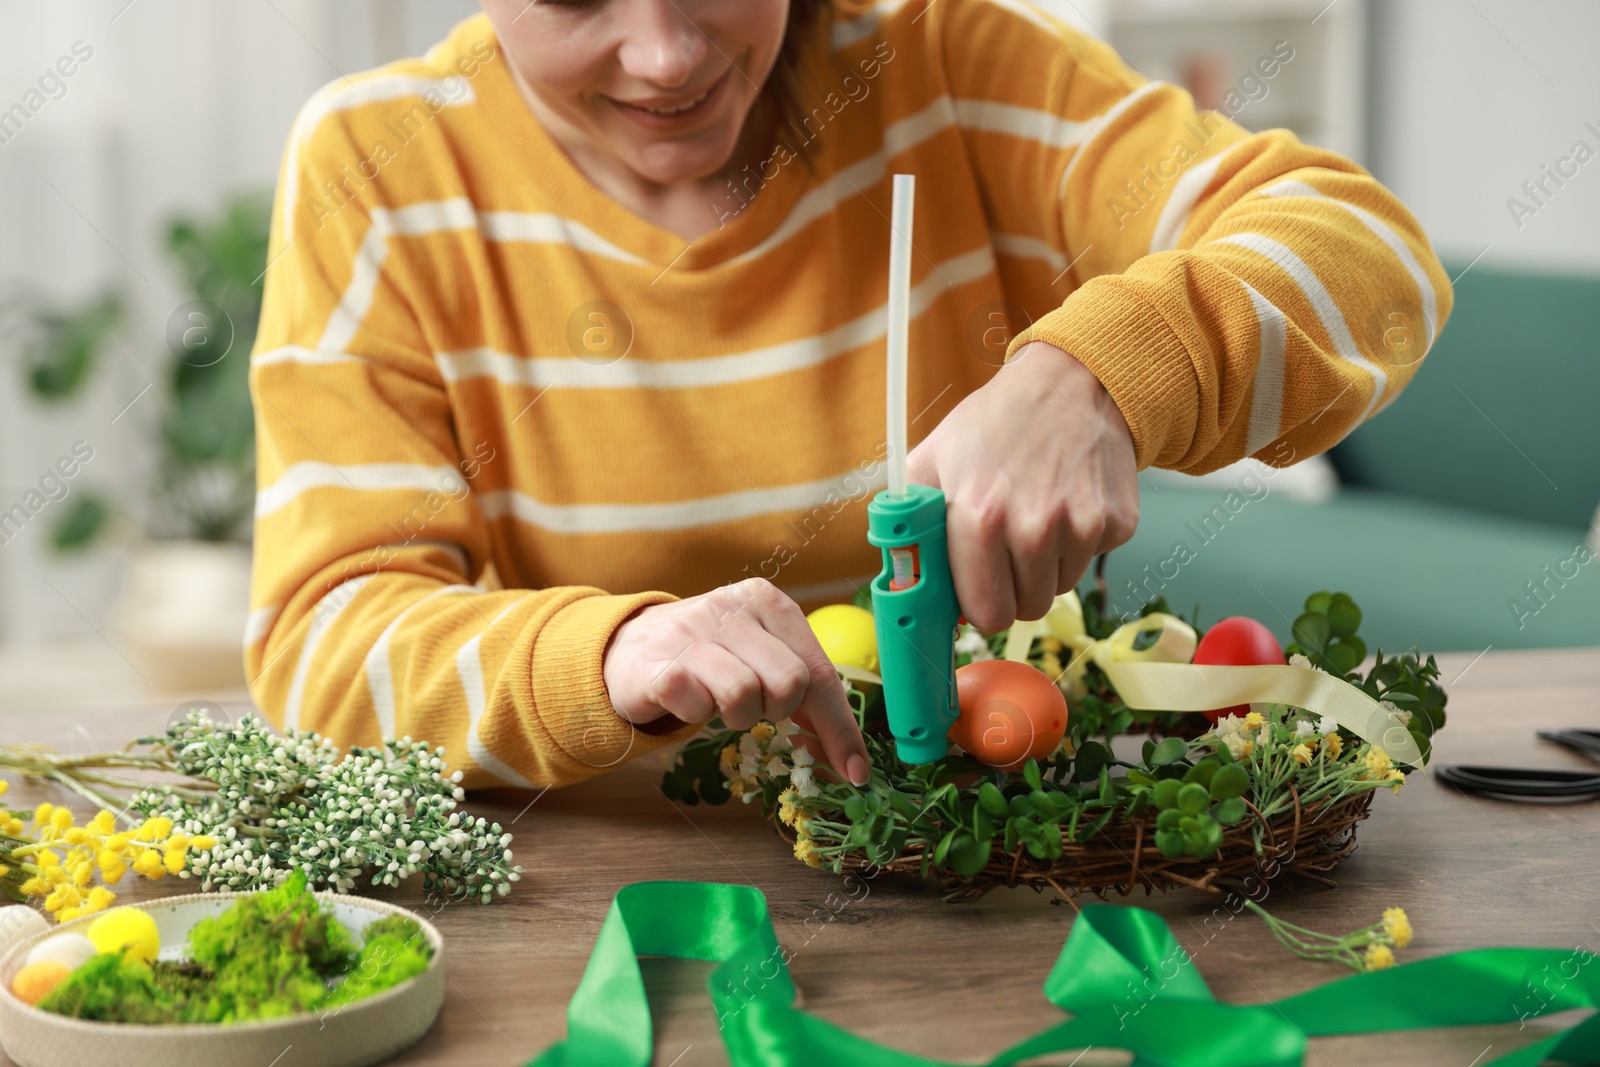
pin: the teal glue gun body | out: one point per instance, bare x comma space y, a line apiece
915, 614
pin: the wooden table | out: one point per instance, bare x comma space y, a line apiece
899, 966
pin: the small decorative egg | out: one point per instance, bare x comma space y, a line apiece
36, 981
18, 921
72, 950
1238, 641
127, 928
1010, 712
848, 635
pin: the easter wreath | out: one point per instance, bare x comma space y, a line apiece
1263, 790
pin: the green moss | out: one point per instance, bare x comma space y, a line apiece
392, 950
272, 953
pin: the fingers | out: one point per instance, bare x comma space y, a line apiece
763, 680
782, 675
675, 688
1122, 512
822, 704
980, 566
1038, 553
734, 687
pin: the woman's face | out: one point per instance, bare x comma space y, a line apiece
661, 87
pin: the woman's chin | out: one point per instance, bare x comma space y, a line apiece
676, 163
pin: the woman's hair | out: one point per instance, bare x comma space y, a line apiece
787, 79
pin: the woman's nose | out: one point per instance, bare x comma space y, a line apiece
661, 44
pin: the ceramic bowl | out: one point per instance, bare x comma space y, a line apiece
365, 1031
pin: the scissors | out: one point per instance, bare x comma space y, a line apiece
1532, 785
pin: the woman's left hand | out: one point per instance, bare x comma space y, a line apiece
1039, 477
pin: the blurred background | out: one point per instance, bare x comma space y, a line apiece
139, 146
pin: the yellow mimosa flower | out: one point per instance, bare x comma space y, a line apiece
1397, 926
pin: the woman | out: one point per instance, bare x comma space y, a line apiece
569, 379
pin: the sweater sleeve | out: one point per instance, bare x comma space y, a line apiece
366, 621
1237, 294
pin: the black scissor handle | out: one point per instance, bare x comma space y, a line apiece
1586, 742
1523, 783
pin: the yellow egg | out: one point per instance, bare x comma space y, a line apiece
36, 981
127, 928
847, 634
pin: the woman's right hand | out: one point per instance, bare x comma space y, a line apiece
743, 652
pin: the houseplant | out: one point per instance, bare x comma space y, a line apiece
183, 597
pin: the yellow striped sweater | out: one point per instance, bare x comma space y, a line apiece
497, 412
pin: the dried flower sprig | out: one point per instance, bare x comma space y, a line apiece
1370, 948
272, 804
59, 861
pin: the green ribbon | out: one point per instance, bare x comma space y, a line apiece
1122, 975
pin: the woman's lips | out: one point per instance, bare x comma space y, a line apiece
658, 120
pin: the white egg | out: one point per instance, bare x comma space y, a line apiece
18, 921
71, 950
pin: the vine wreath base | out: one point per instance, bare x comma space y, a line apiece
1305, 841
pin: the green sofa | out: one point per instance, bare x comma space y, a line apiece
1463, 517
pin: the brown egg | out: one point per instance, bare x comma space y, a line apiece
1010, 712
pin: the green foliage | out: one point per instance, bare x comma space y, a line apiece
273, 799
1325, 633
61, 344
86, 516
205, 476
697, 775
273, 953
1410, 684
1193, 809
208, 426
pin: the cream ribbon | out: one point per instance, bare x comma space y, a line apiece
1196, 687
1019, 640
856, 674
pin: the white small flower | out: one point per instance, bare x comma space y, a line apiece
749, 747
1394, 709
803, 782
802, 758
1299, 659
1303, 729
1236, 743
775, 766
974, 644
1326, 725
748, 768
783, 730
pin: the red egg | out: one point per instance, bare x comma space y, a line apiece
1237, 642
1010, 712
